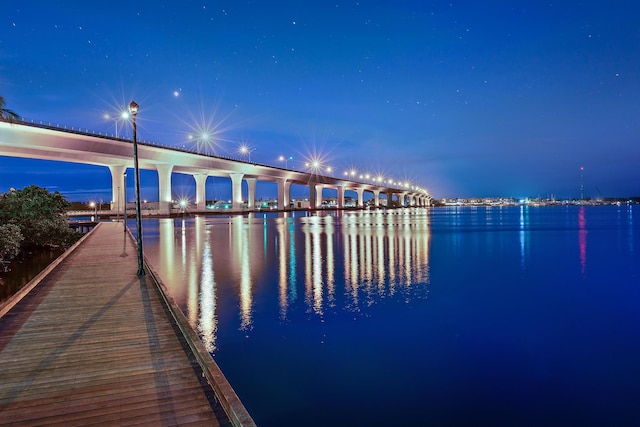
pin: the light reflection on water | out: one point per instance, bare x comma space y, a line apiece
364, 256
531, 318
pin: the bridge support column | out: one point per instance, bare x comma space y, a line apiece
236, 190
251, 197
164, 188
376, 198
340, 197
117, 186
312, 195
284, 188
360, 192
318, 203
201, 194
401, 198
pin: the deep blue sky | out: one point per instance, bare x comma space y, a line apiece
465, 98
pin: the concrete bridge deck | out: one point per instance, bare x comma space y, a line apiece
93, 344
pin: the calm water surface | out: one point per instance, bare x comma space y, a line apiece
449, 316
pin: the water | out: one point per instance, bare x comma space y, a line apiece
449, 316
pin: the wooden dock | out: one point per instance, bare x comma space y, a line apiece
94, 344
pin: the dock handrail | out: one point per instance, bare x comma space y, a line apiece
226, 395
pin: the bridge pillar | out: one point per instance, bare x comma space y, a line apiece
340, 197
284, 187
236, 190
251, 197
164, 188
312, 195
376, 198
201, 194
360, 192
318, 190
401, 198
117, 186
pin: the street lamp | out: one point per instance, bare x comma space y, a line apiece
133, 108
245, 150
125, 202
95, 209
118, 206
285, 160
124, 116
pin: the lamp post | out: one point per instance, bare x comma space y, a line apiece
125, 202
245, 150
123, 115
118, 207
133, 108
285, 160
95, 210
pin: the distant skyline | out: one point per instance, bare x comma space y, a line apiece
466, 99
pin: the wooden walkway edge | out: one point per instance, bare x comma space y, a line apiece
94, 344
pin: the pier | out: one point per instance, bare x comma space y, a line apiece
89, 342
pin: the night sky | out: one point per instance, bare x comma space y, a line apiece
464, 98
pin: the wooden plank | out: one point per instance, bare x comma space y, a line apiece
98, 344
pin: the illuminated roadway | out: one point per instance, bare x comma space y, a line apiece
28, 140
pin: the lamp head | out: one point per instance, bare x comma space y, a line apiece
133, 108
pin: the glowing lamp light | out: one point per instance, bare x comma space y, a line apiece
133, 108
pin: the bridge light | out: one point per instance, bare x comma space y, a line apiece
245, 150
285, 160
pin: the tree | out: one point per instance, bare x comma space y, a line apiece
5, 113
10, 241
39, 214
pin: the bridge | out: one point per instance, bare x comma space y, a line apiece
46, 142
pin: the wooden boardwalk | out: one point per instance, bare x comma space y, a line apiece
93, 344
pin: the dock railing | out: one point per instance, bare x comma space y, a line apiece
226, 395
